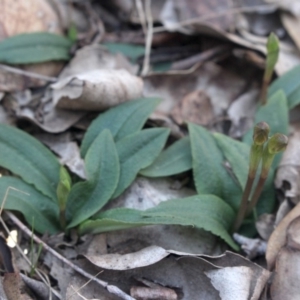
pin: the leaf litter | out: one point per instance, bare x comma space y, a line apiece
194, 65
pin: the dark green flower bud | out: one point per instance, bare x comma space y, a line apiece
261, 133
277, 143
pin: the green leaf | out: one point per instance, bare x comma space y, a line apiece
290, 84
113, 219
137, 151
237, 154
34, 48
103, 170
38, 210
174, 160
272, 54
210, 175
207, 212
275, 113
122, 120
129, 50
207, 161
27, 157
72, 33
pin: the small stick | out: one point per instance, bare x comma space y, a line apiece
148, 38
27, 73
110, 288
142, 17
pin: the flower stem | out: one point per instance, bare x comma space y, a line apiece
272, 57
276, 144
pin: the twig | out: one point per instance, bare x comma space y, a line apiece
148, 38
235, 10
197, 58
139, 8
27, 73
110, 288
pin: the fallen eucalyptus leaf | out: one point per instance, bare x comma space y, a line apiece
145, 257
285, 285
288, 175
278, 238
96, 57
96, 90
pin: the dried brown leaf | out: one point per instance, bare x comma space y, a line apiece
96, 90
285, 284
195, 107
142, 258
96, 57
278, 238
288, 174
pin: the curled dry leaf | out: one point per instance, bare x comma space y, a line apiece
278, 238
96, 90
285, 284
96, 57
293, 239
288, 174
54, 121
291, 24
